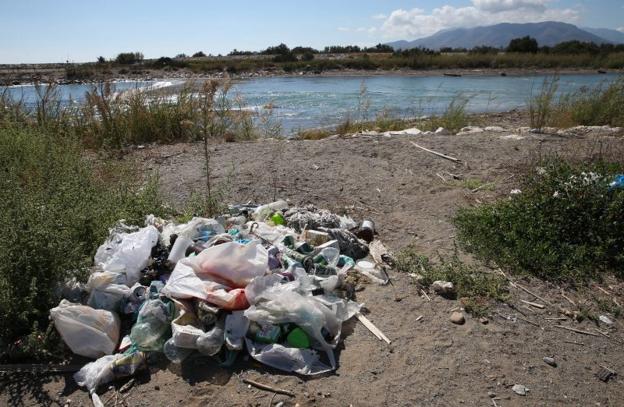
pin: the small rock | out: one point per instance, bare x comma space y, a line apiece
441, 131
458, 318
156, 387
520, 390
444, 288
605, 320
494, 129
512, 137
484, 321
550, 361
491, 394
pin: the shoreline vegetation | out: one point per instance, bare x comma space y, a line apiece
280, 60
111, 120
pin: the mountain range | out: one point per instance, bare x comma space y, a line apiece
546, 33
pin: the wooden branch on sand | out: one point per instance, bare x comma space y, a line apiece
269, 388
578, 331
533, 304
436, 153
371, 327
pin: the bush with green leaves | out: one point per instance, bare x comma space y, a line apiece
475, 287
567, 224
56, 209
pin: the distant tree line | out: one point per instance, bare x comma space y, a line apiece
283, 54
530, 45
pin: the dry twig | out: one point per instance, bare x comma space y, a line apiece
266, 387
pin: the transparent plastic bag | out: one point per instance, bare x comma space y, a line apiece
236, 326
95, 374
212, 341
174, 353
86, 331
127, 253
303, 361
108, 291
153, 325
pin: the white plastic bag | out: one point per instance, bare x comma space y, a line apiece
127, 253
185, 284
232, 264
95, 374
87, 332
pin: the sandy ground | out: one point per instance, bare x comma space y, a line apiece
431, 362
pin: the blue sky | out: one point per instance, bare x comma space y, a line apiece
81, 30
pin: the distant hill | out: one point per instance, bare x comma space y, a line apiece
613, 36
547, 33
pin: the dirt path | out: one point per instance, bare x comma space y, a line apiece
430, 362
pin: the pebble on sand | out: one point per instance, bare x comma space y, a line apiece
458, 318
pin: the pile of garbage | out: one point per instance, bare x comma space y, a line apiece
269, 280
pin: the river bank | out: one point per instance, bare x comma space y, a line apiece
13, 75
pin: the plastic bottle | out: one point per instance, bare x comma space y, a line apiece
264, 211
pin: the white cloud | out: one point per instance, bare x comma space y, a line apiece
621, 29
379, 16
504, 5
344, 29
415, 23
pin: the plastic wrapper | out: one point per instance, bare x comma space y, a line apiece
127, 253
86, 331
372, 271
195, 229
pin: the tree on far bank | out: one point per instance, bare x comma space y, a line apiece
524, 44
129, 58
199, 54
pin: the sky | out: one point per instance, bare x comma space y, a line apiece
33, 31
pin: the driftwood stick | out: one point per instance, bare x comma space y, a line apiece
533, 304
568, 299
436, 153
425, 294
371, 327
531, 293
266, 387
556, 319
578, 331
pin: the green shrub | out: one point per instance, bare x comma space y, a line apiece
565, 225
592, 106
475, 287
55, 210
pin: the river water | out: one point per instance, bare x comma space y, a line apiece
305, 102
